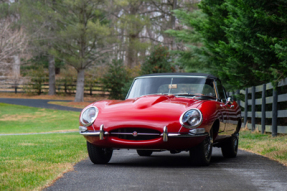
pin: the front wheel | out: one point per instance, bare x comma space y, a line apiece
229, 149
201, 154
144, 153
99, 155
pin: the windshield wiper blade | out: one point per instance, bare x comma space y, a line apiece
184, 94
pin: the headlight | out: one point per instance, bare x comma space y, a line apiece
191, 118
89, 115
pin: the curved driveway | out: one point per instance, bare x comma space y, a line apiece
164, 171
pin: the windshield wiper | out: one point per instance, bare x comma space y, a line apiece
184, 94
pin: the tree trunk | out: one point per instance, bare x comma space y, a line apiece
52, 80
80, 86
131, 53
16, 68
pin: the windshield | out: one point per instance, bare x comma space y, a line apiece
181, 86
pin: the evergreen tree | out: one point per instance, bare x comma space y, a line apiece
159, 61
115, 79
242, 42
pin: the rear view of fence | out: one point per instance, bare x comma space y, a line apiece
264, 107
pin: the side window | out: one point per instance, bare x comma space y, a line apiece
221, 91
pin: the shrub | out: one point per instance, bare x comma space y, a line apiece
159, 61
115, 79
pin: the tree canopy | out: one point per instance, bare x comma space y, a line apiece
242, 42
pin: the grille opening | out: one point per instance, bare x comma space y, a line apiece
148, 134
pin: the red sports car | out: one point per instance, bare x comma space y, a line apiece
175, 112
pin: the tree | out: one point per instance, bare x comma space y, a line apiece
82, 31
141, 25
38, 17
242, 42
159, 61
115, 79
257, 30
13, 40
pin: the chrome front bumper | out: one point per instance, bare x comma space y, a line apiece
101, 133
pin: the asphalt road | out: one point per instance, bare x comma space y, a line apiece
165, 171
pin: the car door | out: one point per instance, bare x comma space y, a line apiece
224, 109
232, 108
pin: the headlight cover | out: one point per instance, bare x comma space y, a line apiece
89, 115
191, 118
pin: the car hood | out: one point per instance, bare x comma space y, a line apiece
152, 111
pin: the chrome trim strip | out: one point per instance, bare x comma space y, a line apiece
92, 133
165, 134
177, 135
122, 133
189, 135
83, 128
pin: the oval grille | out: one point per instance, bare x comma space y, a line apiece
136, 134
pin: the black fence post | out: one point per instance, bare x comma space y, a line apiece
246, 107
253, 109
263, 109
274, 111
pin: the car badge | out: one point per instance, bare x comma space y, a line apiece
135, 133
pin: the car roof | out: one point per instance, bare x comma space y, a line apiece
182, 74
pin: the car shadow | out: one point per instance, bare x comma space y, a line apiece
167, 160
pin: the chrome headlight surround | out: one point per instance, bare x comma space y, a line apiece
89, 115
191, 119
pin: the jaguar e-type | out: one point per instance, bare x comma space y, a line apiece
168, 111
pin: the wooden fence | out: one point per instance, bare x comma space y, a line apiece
90, 88
256, 102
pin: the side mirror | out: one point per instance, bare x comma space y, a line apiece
229, 100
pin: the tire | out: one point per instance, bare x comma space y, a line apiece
99, 155
201, 154
144, 153
230, 147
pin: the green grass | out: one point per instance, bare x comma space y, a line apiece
22, 119
29, 162
264, 144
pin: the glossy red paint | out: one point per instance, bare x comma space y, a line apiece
155, 112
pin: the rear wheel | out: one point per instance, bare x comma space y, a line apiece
99, 155
144, 153
229, 149
201, 154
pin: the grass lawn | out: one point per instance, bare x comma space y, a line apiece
30, 162
264, 144
23, 119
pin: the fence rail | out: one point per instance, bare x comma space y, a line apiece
61, 88
274, 115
